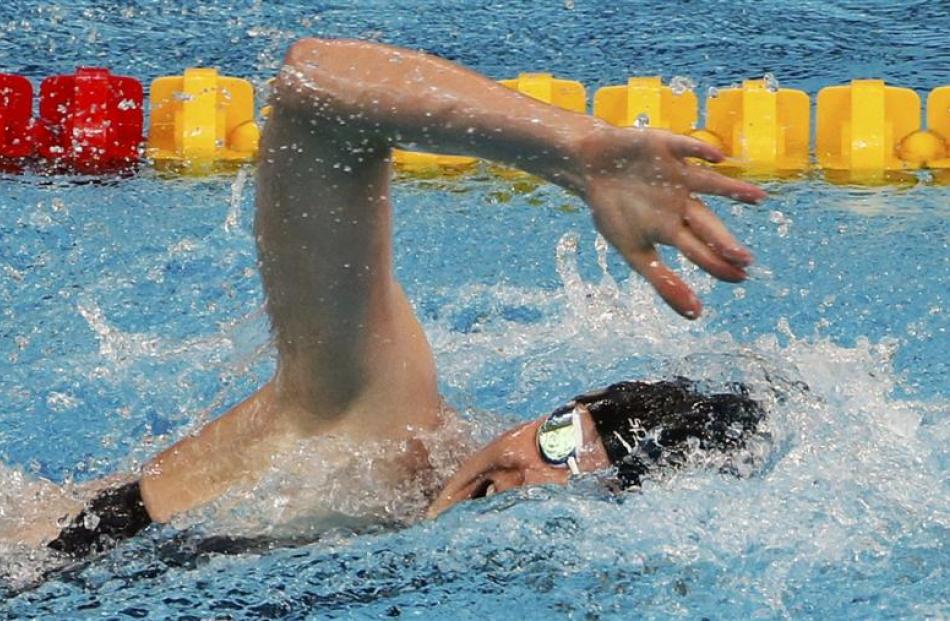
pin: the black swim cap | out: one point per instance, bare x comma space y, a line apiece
644, 424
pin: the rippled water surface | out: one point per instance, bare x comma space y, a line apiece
130, 311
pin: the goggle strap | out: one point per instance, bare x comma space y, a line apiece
578, 426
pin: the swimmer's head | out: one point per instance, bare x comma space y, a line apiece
628, 428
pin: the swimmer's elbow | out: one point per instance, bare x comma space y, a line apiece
303, 47
308, 48
298, 76
316, 72
349, 87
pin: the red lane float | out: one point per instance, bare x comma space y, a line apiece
90, 121
16, 117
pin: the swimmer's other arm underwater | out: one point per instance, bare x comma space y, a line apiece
353, 360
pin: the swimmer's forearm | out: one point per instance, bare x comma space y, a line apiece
400, 97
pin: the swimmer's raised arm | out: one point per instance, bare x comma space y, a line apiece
352, 358
638, 184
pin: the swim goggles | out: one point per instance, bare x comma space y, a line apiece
560, 437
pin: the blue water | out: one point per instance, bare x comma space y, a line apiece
130, 311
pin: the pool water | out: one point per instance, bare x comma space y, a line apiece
130, 312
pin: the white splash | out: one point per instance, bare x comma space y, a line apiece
233, 218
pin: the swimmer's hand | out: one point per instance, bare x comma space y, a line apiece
642, 191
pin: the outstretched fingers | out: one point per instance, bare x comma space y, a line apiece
703, 255
684, 146
706, 181
671, 288
708, 228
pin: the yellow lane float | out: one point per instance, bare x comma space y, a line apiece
201, 121
544, 87
866, 131
422, 162
860, 127
761, 128
647, 102
566, 94
937, 154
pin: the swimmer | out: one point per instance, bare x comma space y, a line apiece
353, 361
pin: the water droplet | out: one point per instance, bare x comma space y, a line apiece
680, 84
90, 521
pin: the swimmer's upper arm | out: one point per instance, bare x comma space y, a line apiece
347, 338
